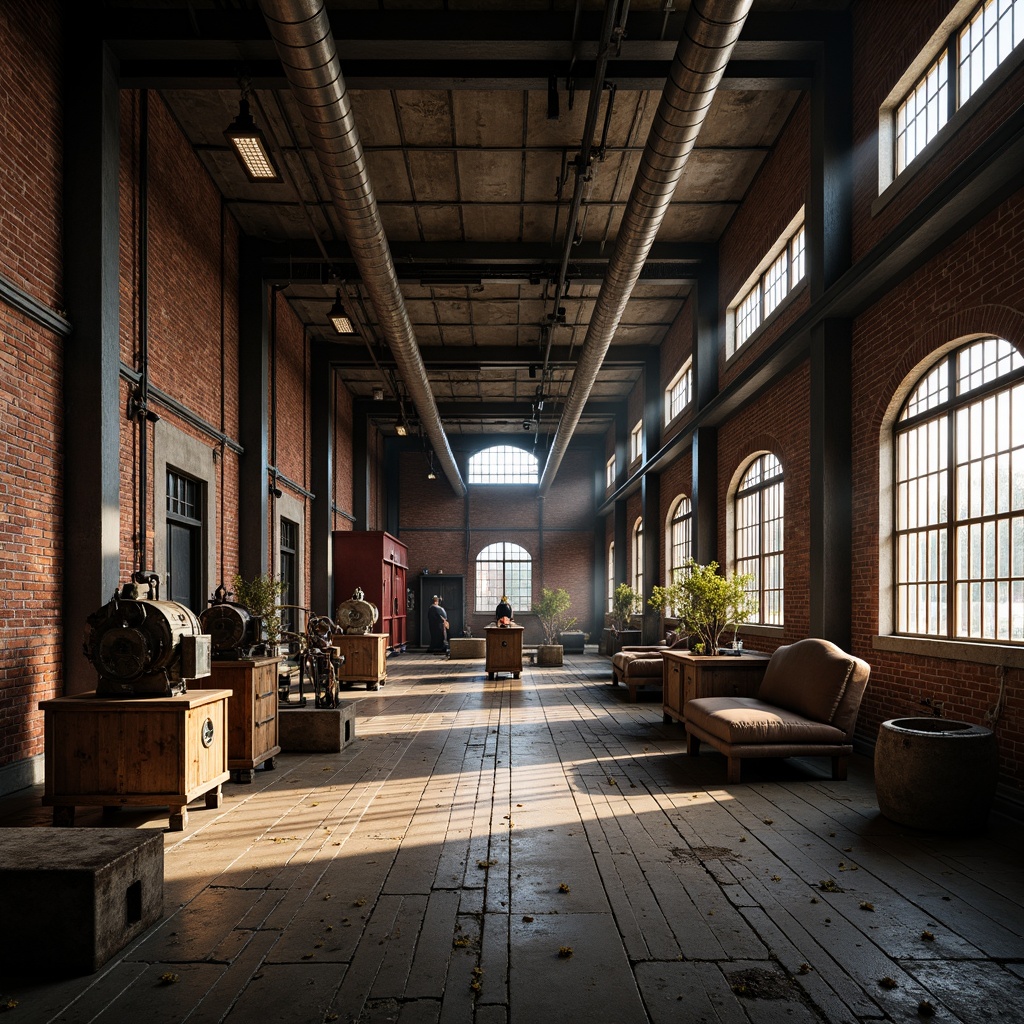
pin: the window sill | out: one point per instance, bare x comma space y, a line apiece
1009, 655
759, 629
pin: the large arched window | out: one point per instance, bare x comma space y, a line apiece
504, 569
638, 557
959, 494
677, 541
503, 464
759, 534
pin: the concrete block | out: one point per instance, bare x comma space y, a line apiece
467, 647
73, 897
312, 730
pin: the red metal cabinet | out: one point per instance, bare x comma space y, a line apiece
378, 563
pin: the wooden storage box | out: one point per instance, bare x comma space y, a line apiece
504, 650
253, 737
113, 751
366, 658
687, 676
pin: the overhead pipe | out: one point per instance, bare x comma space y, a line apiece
710, 32
302, 34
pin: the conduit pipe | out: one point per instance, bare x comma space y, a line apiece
302, 34
709, 35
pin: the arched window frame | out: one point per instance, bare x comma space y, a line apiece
504, 568
502, 464
678, 541
638, 557
758, 516
611, 575
957, 495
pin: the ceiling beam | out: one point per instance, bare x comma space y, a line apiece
468, 359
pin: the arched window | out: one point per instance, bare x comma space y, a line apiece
638, 557
959, 497
611, 575
504, 569
759, 534
677, 541
503, 464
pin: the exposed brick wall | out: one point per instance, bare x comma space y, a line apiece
31, 381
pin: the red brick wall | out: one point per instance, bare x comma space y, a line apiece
31, 429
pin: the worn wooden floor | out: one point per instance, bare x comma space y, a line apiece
532, 850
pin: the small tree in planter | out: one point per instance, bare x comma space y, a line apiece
625, 604
706, 603
259, 597
551, 610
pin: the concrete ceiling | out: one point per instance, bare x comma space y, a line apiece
473, 170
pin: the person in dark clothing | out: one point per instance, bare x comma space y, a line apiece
504, 610
437, 621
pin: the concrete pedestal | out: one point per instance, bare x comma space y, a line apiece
72, 898
312, 730
467, 647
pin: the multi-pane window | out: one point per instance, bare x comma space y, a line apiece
503, 464
679, 392
783, 274
959, 515
185, 542
993, 30
638, 556
759, 535
611, 575
678, 541
289, 555
636, 442
504, 569
609, 473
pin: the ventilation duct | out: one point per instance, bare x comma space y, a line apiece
709, 35
302, 34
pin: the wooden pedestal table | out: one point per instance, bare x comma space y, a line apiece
252, 712
504, 650
688, 676
114, 752
366, 659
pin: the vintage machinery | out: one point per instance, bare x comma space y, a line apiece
234, 630
144, 647
357, 615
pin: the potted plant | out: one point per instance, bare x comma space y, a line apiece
706, 603
552, 611
259, 597
625, 604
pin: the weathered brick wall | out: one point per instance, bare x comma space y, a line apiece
31, 383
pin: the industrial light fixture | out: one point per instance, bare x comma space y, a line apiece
431, 475
250, 146
401, 429
341, 321
378, 394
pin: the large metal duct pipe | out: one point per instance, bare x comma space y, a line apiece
302, 34
709, 35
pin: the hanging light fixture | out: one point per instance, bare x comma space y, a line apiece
401, 429
431, 475
339, 319
250, 146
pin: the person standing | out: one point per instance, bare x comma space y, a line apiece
437, 621
503, 611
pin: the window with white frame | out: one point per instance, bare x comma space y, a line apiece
677, 541
609, 473
503, 464
636, 441
989, 32
759, 508
638, 557
611, 575
781, 270
679, 392
959, 498
504, 569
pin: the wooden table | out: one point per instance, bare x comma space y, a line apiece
111, 752
252, 712
688, 675
504, 650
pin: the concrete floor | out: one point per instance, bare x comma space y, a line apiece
532, 850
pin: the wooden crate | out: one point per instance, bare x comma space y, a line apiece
366, 657
114, 752
253, 734
504, 650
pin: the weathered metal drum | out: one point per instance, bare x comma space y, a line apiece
935, 774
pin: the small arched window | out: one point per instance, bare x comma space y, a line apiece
611, 575
759, 535
504, 569
503, 464
677, 541
638, 557
959, 497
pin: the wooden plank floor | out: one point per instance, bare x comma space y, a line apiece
522, 851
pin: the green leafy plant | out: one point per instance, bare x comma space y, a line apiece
259, 597
625, 603
706, 602
551, 610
